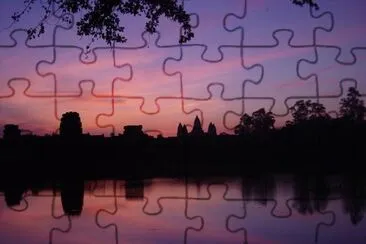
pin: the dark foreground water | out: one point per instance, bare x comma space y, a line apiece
262, 209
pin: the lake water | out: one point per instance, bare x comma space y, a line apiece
257, 210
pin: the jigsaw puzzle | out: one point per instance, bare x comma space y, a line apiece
246, 55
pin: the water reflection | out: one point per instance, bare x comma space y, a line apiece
252, 209
72, 196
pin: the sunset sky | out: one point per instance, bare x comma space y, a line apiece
245, 55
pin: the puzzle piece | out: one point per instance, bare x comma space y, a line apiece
280, 196
164, 121
209, 28
343, 230
19, 60
332, 102
260, 19
170, 32
167, 189
305, 216
18, 219
136, 40
330, 73
52, 25
263, 189
214, 209
224, 113
229, 71
34, 112
69, 68
346, 30
349, 204
85, 222
279, 83
28, 20
132, 225
297, 228
161, 189
6, 23
67, 35
149, 80
81, 102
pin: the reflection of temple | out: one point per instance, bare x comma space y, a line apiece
134, 189
72, 196
13, 192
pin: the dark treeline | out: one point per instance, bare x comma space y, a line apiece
311, 142
311, 194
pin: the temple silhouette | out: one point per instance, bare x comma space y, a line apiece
312, 142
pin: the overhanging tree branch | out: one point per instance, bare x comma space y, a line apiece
102, 17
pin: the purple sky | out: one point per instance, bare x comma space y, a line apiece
232, 66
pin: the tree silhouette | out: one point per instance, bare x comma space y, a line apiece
318, 111
262, 121
70, 125
302, 3
245, 125
300, 111
352, 107
101, 20
303, 111
211, 130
